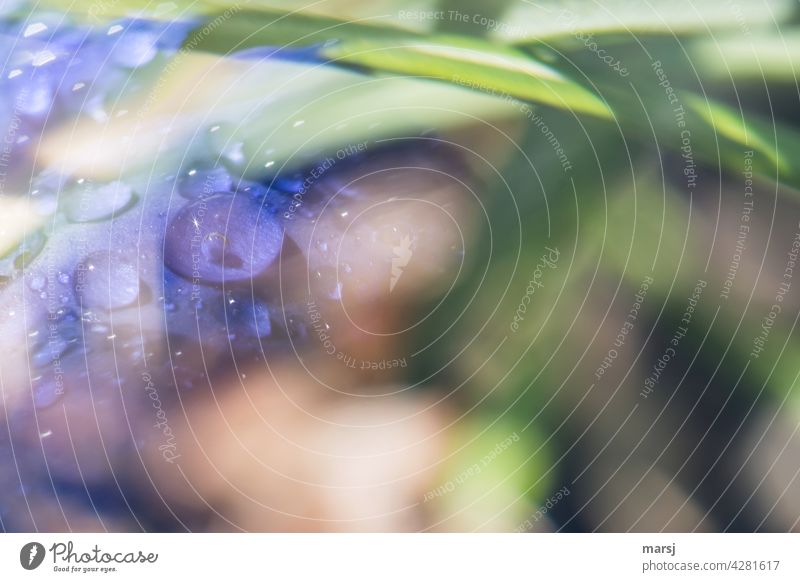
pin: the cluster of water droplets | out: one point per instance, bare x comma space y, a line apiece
177, 275
190, 243
52, 73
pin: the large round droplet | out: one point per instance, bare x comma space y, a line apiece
222, 238
99, 203
107, 281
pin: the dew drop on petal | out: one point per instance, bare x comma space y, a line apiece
107, 281
100, 203
222, 238
37, 282
34, 28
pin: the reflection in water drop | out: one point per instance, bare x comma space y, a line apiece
222, 238
216, 250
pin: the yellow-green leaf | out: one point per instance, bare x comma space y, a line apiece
500, 71
547, 19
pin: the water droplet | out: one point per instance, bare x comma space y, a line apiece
234, 241
107, 281
43, 57
37, 282
98, 204
35, 28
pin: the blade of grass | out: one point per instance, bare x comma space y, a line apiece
529, 22
386, 11
500, 71
774, 57
250, 28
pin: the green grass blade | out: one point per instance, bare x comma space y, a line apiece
250, 28
774, 57
549, 19
386, 11
500, 71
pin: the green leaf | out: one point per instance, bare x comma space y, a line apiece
500, 71
245, 29
546, 19
493, 476
717, 134
721, 134
385, 10
731, 125
774, 57
101, 11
